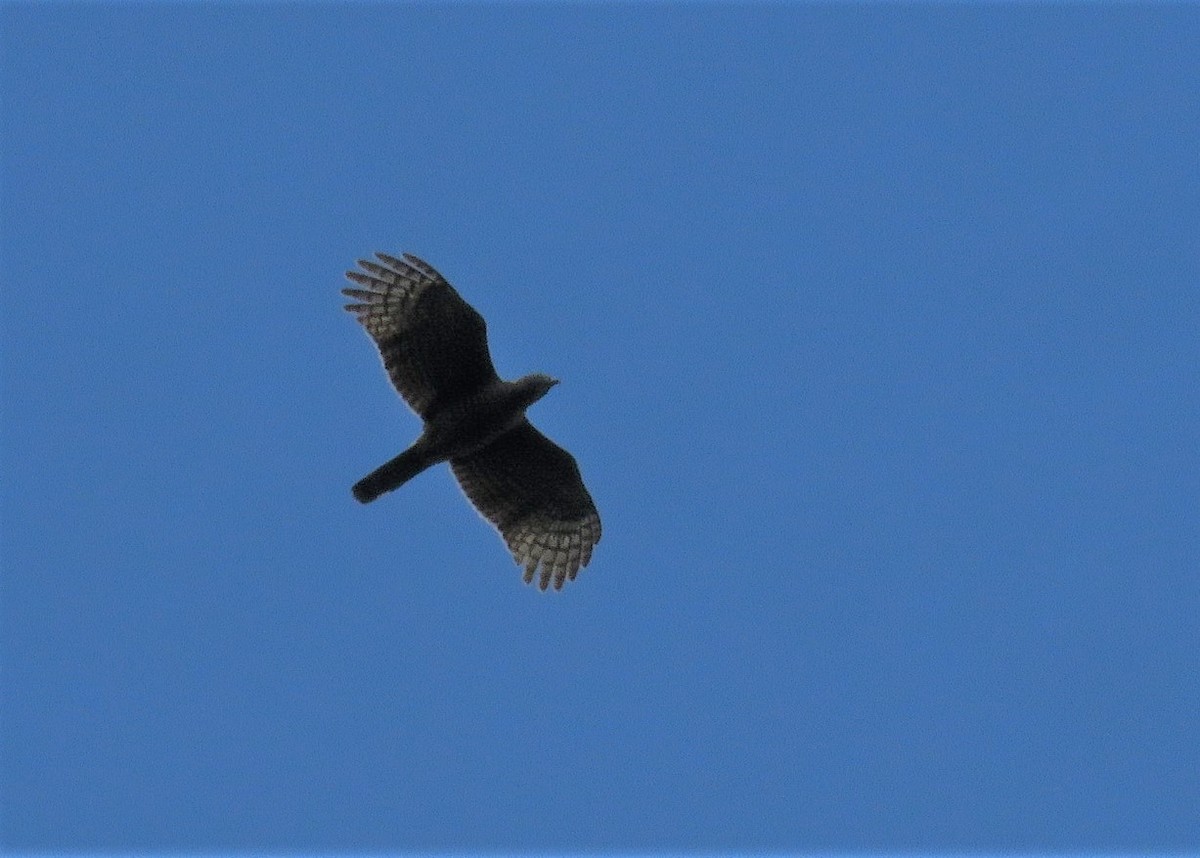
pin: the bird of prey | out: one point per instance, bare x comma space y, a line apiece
434, 348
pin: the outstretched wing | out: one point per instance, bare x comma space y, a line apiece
530, 489
433, 343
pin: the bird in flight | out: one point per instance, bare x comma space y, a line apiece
434, 348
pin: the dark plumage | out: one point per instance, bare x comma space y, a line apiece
434, 348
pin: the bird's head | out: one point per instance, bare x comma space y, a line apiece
534, 387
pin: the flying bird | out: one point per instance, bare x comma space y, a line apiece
434, 348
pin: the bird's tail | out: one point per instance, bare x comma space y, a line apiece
392, 475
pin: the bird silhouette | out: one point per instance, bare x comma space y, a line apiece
434, 348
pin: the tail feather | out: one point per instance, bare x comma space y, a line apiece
391, 475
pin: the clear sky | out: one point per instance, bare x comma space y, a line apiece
877, 330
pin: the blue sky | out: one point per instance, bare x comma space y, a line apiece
877, 331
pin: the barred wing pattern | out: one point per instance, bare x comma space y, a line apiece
530, 489
433, 343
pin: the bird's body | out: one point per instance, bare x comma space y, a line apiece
434, 347
461, 428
